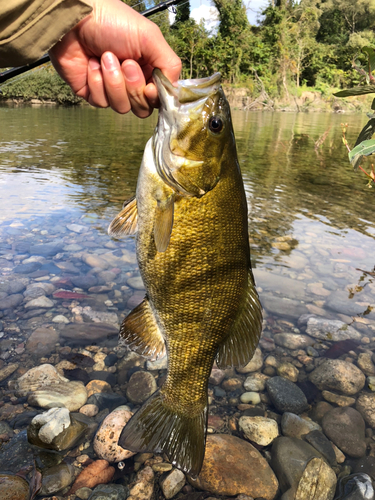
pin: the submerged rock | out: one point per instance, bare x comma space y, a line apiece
143, 486
366, 407
109, 492
355, 487
106, 439
98, 472
72, 395
56, 478
345, 427
233, 466
260, 430
13, 487
39, 376
333, 330
286, 396
338, 375
173, 483
42, 341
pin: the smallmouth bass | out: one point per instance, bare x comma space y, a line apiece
190, 215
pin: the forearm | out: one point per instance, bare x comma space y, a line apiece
28, 29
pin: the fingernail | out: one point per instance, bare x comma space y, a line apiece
131, 72
109, 61
94, 64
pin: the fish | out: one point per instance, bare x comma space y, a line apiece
191, 223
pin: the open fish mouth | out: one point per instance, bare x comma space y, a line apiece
177, 105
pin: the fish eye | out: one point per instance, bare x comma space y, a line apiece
215, 124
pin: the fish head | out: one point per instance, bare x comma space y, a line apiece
193, 134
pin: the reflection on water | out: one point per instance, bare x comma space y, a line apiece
64, 174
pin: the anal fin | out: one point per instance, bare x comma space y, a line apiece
126, 221
163, 223
239, 347
140, 332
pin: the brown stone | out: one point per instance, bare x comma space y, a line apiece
13, 487
97, 386
98, 472
232, 467
42, 341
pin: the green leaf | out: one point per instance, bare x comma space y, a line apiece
366, 133
366, 148
365, 89
371, 57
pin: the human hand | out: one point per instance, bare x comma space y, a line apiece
109, 56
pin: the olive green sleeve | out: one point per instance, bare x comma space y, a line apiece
28, 29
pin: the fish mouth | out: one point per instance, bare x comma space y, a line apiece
176, 105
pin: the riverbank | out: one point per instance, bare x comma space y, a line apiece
45, 87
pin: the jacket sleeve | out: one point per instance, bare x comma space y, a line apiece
29, 28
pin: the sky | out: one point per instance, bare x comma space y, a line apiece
203, 9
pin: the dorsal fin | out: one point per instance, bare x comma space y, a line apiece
125, 222
163, 223
239, 347
140, 332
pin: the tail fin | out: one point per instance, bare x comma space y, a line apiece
157, 428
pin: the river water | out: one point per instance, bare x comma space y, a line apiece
64, 174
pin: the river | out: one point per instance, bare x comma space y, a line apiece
64, 174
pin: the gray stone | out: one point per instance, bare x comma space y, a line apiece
42, 341
355, 487
85, 282
255, 382
338, 375
332, 330
294, 426
77, 228
275, 283
109, 492
284, 307
136, 283
72, 395
293, 340
40, 376
173, 483
346, 429
365, 363
40, 302
141, 386
11, 301
27, 268
7, 371
318, 481
84, 333
339, 301
259, 430
56, 478
366, 407
286, 396
319, 441
254, 364
46, 249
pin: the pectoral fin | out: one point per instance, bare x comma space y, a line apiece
163, 223
140, 332
125, 222
239, 347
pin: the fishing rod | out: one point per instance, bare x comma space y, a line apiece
11, 73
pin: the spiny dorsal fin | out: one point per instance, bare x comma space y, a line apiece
163, 223
140, 332
126, 221
157, 428
239, 347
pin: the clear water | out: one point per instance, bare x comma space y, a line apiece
311, 218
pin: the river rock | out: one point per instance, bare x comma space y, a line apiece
332, 330
7, 370
13, 487
107, 436
255, 364
255, 382
27, 268
85, 282
233, 466
319, 441
286, 396
72, 395
77, 228
293, 341
173, 483
14, 286
339, 376
41, 302
284, 307
318, 481
56, 478
95, 261
337, 399
355, 487
47, 288
141, 386
294, 426
11, 301
290, 457
366, 407
346, 429
365, 363
288, 371
42, 341
84, 333
339, 302
55, 429
35, 378
143, 487
46, 249
109, 492
259, 430
98, 472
